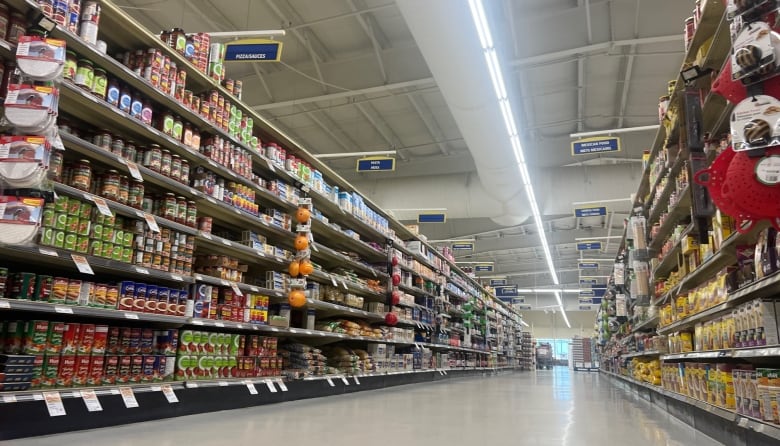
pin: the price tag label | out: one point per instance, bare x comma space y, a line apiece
236, 289
48, 252
742, 422
344, 284
197, 322
222, 383
271, 386
128, 397
4, 304
151, 222
330, 382
357, 381
344, 380
54, 404
177, 278
281, 385
240, 326
9, 398
274, 329
206, 235
270, 165
170, 395
224, 282
227, 242
63, 310
192, 385
91, 401
141, 270
260, 253
134, 172
220, 325
213, 163
82, 264
315, 248
254, 289
333, 280
252, 388
211, 200
441, 372
102, 206
131, 316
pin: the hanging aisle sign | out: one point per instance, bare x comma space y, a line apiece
497, 282
253, 50
600, 144
483, 268
432, 218
589, 246
376, 164
588, 265
463, 246
590, 212
506, 291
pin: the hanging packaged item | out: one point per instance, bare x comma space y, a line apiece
755, 123
749, 10
754, 56
20, 218
23, 160
31, 109
40, 58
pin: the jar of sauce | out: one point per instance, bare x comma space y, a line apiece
16, 27
185, 172
165, 163
109, 185
85, 74
181, 210
117, 146
113, 92
81, 175
103, 140
70, 66
100, 83
153, 158
135, 196
175, 167
169, 210
124, 189
125, 99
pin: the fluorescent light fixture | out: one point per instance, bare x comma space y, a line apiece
546, 290
524, 323
525, 290
571, 291
499, 86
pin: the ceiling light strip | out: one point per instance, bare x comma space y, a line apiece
497, 78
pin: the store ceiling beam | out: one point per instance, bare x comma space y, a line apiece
417, 83
430, 122
374, 34
557, 56
372, 116
341, 16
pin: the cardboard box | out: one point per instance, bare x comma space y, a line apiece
136, 368
86, 339
37, 372
100, 343
125, 371
35, 337
51, 367
66, 371
96, 367
111, 370
54, 337
81, 376
70, 338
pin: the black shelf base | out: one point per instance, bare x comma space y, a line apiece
30, 418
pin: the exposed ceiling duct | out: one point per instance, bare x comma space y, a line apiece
465, 83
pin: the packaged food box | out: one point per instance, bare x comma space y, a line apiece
86, 339
81, 373
124, 373
15, 377
113, 340
70, 337
134, 346
166, 342
37, 371
96, 367
35, 336
139, 300
147, 341
51, 367
150, 365
111, 370
136, 368
14, 387
66, 371
54, 337
125, 339
126, 295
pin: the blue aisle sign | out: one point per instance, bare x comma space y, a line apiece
586, 308
498, 282
588, 246
253, 50
587, 293
376, 164
463, 246
506, 291
600, 144
588, 282
590, 212
432, 218
593, 300
483, 268
588, 265
599, 292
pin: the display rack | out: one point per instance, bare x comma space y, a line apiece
452, 326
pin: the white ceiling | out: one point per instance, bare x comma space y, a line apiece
363, 75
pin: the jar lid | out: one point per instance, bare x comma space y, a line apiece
83, 161
85, 61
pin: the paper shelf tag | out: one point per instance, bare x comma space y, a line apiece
128, 397
151, 222
102, 206
141, 270
281, 385
206, 235
236, 289
330, 382
271, 387
344, 380
134, 172
227, 242
170, 395
48, 252
222, 383
4, 304
54, 404
82, 264
252, 388
63, 310
131, 316
177, 278
91, 401
357, 381
9, 398
220, 325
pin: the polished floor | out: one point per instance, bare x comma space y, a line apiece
536, 409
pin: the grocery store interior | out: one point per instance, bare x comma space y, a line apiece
454, 221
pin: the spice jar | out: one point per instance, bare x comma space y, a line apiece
85, 74
70, 66
100, 83
109, 185
81, 175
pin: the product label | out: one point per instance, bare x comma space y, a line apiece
768, 170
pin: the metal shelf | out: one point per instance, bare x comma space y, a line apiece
416, 291
103, 313
640, 354
681, 209
648, 324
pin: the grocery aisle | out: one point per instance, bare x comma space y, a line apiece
536, 409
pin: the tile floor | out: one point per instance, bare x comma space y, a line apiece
542, 408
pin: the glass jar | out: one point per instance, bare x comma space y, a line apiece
85, 74
169, 205
125, 99
117, 146
175, 167
129, 151
81, 175
103, 140
146, 112
5, 18
136, 106
192, 214
185, 172
70, 66
187, 135
165, 163
100, 83
55, 166
135, 197
124, 189
181, 210
113, 92
167, 124
16, 28
153, 158
109, 185
178, 128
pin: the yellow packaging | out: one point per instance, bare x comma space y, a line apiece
681, 307
686, 342
715, 335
